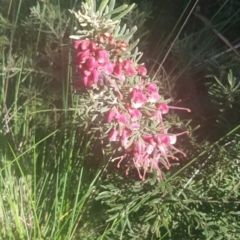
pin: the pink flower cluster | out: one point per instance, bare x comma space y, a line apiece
92, 59
146, 150
140, 103
151, 150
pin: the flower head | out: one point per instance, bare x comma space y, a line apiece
100, 63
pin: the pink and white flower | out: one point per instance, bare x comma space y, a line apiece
142, 71
138, 99
135, 114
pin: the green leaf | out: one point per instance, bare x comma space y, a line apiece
123, 29
106, 11
102, 6
121, 15
119, 9
114, 216
129, 35
94, 117
118, 207
111, 5
104, 109
103, 195
156, 200
92, 5
116, 31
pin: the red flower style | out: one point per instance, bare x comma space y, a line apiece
164, 108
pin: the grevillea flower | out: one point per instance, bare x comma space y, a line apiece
128, 68
142, 71
139, 147
77, 44
92, 46
111, 40
83, 56
153, 97
113, 136
108, 67
99, 65
85, 44
151, 144
135, 126
102, 56
121, 118
91, 79
163, 108
138, 99
117, 71
151, 88
91, 63
111, 115
135, 114
126, 133
166, 142
152, 92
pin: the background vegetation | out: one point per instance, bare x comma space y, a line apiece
55, 182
